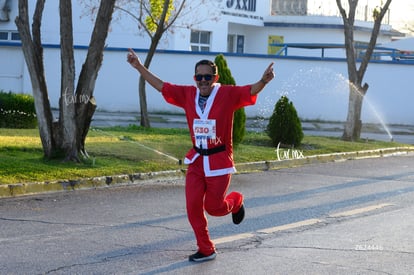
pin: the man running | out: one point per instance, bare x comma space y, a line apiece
209, 109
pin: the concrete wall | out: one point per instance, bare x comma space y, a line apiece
318, 88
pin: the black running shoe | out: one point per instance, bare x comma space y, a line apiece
199, 257
239, 216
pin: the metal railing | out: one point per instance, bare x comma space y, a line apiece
381, 54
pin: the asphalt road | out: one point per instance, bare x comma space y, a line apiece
348, 217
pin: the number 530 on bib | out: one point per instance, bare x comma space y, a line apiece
204, 128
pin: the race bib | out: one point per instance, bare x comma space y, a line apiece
204, 129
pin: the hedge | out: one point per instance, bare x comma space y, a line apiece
17, 110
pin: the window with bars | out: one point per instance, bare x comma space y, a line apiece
200, 41
235, 43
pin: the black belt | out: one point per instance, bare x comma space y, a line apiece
207, 152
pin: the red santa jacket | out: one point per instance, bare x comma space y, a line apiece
213, 127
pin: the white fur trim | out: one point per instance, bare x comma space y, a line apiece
219, 172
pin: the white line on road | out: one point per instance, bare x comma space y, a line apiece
359, 210
234, 238
270, 230
303, 223
289, 226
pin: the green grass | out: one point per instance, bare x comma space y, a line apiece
126, 150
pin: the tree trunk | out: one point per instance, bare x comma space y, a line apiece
353, 125
67, 126
86, 124
145, 122
33, 54
85, 101
68, 134
161, 28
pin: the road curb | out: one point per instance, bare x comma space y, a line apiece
286, 163
22, 189
166, 177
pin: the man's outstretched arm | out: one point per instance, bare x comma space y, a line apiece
268, 75
152, 79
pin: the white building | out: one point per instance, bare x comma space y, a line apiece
249, 33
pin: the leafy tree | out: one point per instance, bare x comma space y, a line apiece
155, 18
357, 91
239, 128
284, 124
77, 104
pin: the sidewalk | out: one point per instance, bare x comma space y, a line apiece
400, 133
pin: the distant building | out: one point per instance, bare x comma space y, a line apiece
234, 26
251, 26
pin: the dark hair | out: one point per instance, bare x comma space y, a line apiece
207, 62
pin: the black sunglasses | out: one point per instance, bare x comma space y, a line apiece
207, 77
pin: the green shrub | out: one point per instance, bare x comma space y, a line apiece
239, 126
17, 111
239, 120
284, 124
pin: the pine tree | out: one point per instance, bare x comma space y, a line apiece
284, 124
239, 120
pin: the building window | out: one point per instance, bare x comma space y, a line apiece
231, 43
240, 44
4, 36
4, 11
15, 36
235, 43
9, 36
200, 41
290, 7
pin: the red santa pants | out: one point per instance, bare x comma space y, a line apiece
209, 194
